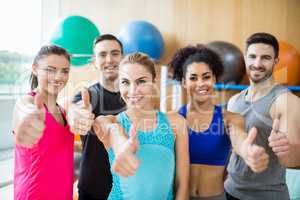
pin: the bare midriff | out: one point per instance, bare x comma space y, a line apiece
206, 180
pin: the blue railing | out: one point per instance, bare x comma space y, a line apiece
220, 86
242, 87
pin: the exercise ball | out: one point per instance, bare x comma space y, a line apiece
232, 59
142, 36
287, 71
76, 34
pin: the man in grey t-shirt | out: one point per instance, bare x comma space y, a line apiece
274, 111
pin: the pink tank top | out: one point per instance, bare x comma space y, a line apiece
45, 171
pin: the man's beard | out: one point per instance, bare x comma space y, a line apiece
264, 78
267, 76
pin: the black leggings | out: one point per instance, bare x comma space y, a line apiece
88, 197
229, 197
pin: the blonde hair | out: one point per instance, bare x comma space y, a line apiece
142, 59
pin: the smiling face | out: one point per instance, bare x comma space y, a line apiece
199, 82
260, 61
136, 85
108, 55
52, 73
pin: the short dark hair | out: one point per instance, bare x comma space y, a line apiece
195, 54
265, 38
107, 37
46, 51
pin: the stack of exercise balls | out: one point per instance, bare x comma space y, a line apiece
144, 37
232, 59
76, 34
287, 71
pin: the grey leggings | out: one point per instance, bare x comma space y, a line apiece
218, 197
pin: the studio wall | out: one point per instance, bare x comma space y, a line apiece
183, 22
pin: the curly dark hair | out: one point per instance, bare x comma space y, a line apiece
195, 54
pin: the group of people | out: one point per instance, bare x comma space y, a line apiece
131, 150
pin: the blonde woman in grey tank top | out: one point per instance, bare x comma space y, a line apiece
274, 111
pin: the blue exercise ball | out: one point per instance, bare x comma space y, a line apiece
76, 34
144, 37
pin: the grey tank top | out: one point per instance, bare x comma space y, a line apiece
242, 182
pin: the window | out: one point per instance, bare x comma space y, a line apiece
20, 39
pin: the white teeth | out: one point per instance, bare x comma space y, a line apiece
110, 67
201, 91
258, 70
134, 99
56, 84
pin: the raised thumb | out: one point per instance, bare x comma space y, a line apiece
133, 137
85, 96
39, 101
133, 131
251, 136
275, 126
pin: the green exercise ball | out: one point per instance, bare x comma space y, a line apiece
76, 34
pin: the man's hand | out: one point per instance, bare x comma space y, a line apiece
278, 141
80, 116
126, 162
255, 156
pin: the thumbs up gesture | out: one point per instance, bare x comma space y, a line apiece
29, 120
278, 141
133, 139
255, 156
85, 96
126, 163
80, 116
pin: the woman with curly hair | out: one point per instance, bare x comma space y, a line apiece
212, 130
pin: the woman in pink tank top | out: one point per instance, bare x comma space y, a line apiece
44, 142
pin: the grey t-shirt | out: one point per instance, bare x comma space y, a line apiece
242, 182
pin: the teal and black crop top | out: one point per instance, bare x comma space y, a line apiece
212, 146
